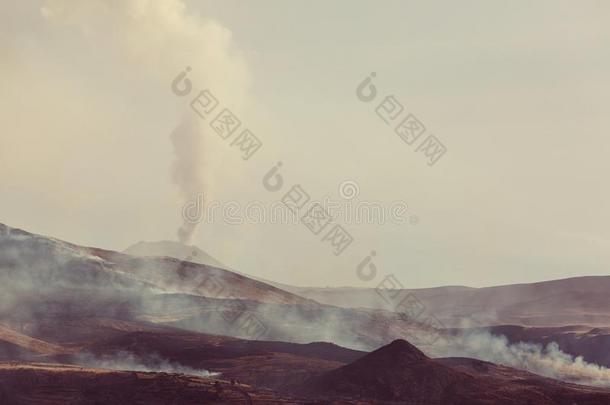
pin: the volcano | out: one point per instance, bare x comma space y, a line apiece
173, 249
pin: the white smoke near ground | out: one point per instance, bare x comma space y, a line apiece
547, 361
35, 266
125, 361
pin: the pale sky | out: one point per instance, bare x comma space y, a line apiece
517, 91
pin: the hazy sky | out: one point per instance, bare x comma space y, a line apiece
518, 92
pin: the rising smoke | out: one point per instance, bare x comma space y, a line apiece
188, 172
148, 42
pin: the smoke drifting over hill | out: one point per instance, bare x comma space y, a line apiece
548, 361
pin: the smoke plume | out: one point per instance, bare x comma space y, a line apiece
548, 361
188, 175
145, 44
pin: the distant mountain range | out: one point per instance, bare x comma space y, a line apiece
578, 300
556, 303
